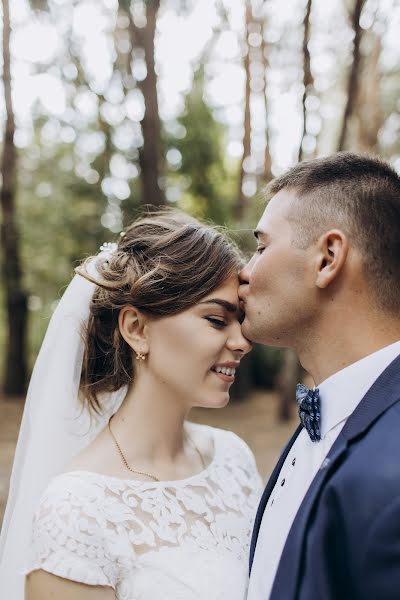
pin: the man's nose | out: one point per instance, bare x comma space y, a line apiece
244, 274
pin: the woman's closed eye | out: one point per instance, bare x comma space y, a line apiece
260, 249
216, 322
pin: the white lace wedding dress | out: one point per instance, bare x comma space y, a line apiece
170, 540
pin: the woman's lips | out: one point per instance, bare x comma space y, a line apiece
226, 378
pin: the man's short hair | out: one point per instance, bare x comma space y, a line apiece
356, 193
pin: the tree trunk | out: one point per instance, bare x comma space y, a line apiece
369, 113
287, 381
150, 153
308, 80
267, 171
353, 81
15, 297
240, 207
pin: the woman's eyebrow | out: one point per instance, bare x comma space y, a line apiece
231, 308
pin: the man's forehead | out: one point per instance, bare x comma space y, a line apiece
281, 201
276, 211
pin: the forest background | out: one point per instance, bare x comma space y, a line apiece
110, 105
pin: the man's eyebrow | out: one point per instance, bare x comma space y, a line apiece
231, 308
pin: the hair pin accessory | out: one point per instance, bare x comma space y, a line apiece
107, 250
109, 247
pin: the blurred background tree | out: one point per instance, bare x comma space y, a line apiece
195, 154
109, 105
14, 293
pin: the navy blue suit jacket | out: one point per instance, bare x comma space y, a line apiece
344, 543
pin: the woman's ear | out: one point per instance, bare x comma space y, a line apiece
333, 248
132, 326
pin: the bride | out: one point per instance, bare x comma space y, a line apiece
114, 494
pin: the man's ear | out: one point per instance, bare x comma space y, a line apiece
332, 248
132, 325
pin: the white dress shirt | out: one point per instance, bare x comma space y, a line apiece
339, 395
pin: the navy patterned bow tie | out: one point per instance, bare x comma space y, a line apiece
309, 410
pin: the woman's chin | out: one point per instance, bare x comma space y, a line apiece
215, 401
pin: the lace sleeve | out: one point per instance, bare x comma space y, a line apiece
247, 463
70, 537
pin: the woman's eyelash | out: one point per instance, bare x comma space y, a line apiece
260, 249
216, 322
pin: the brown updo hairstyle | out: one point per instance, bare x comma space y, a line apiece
165, 262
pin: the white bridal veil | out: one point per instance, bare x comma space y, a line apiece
54, 426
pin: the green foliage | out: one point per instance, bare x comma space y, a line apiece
59, 224
265, 365
124, 5
202, 170
39, 5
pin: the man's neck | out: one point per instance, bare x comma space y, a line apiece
339, 344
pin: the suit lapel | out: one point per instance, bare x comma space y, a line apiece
383, 394
267, 492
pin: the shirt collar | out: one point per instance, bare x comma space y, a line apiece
342, 391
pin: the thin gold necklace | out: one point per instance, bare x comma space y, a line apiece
144, 472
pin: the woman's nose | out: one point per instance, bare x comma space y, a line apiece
237, 342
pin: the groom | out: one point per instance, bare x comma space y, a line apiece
325, 281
